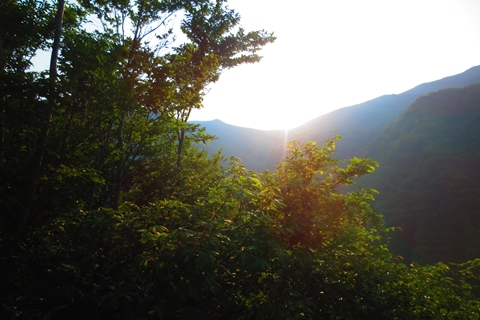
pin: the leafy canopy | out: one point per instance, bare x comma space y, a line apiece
129, 220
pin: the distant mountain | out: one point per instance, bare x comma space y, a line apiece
429, 176
358, 126
258, 149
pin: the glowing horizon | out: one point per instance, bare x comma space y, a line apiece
334, 54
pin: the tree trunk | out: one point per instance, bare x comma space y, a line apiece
2, 137
2, 110
181, 135
36, 162
181, 139
121, 164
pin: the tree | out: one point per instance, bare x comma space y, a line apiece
122, 91
37, 157
19, 94
224, 243
131, 220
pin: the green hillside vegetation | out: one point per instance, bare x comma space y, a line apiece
110, 211
429, 177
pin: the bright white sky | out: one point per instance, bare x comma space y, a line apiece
336, 53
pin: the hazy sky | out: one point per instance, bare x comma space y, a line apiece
336, 53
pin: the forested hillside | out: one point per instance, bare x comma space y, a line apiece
110, 211
429, 176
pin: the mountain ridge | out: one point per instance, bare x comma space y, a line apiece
358, 125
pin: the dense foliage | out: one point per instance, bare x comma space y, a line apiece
429, 180
233, 244
109, 211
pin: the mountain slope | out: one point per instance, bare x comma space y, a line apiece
258, 149
429, 176
360, 124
